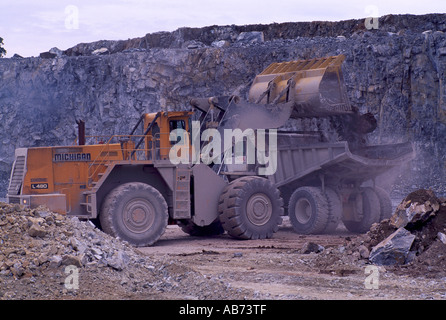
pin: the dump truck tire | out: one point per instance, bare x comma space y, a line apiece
334, 210
135, 212
308, 210
250, 208
385, 203
189, 227
371, 212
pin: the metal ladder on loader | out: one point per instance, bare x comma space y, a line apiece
181, 194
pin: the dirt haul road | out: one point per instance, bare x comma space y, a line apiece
293, 266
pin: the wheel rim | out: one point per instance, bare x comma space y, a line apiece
303, 211
259, 209
139, 215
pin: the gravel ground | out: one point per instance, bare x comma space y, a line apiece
52, 257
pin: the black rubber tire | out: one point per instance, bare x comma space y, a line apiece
334, 210
135, 212
385, 203
189, 227
308, 210
250, 208
371, 212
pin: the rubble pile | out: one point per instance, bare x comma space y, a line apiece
40, 249
36, 239
412, 240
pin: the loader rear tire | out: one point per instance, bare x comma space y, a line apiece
250, 208
308, 210
371, 209
135, 212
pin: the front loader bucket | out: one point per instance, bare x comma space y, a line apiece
315, 87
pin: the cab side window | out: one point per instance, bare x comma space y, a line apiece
177, 124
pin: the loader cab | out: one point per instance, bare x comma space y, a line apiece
158, 144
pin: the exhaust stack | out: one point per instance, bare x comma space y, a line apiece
81, 132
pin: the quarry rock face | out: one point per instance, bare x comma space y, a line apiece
397, 72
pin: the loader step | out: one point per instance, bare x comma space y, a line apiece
18, 173
87, 204
182, 194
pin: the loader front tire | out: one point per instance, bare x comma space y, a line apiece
250, 208
135, 212
309, 210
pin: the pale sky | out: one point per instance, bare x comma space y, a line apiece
29, 27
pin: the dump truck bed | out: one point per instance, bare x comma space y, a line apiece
303, 164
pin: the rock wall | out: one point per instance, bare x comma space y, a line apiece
397, 72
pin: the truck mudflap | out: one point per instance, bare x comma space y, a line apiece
301, 162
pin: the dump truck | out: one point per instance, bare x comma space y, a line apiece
227, 165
